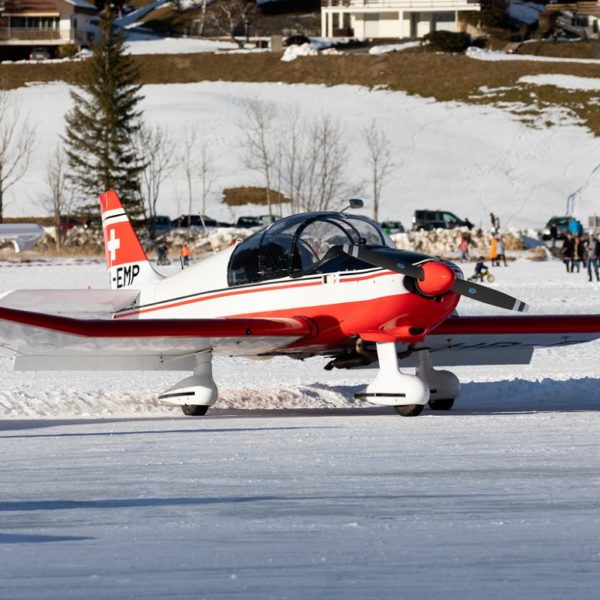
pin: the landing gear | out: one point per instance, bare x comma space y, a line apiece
445, 404
444, 386
406, 393
194, 410
409, 410
197, 393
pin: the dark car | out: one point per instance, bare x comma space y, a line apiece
160, 224
392, 227
194, 221
562, 226
427, 220
248, 222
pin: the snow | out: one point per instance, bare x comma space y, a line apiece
492, 55
567, 82
386, 48
105, 493
470, 159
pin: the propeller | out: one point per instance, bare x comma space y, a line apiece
434, 278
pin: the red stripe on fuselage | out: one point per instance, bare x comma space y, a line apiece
239, 292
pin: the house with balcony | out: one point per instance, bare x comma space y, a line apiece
393, 19
25, 24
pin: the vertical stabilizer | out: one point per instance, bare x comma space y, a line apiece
126, 260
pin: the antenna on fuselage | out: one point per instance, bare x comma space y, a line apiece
354, 203
206, 232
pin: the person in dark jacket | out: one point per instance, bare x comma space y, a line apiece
594, 257
568, 252
581, 253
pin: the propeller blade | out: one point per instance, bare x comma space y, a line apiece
385, 261
469, 289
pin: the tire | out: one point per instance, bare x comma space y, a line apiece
194, 410
490, 278
409, 410
441, 404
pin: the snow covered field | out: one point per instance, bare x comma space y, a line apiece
106, 494
468, 159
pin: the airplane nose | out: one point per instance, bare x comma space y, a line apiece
438, 278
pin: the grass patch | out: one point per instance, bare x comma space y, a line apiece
241, 196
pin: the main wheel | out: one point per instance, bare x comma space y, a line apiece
442, 404
409, 410
194, 410
490, 278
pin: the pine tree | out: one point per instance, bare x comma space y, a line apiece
102, 123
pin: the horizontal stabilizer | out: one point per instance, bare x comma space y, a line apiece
70, 302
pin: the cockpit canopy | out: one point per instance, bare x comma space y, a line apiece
301, 244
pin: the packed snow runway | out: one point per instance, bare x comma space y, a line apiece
106, 493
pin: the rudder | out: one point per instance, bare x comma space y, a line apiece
126, 259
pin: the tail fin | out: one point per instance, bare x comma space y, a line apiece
126, 260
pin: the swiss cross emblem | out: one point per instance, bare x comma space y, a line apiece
112, 245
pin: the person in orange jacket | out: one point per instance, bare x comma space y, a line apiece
184, 256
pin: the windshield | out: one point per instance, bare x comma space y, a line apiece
300, 244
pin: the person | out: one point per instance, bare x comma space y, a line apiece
494, 251
480, 270
594, 257
568, 251
580, 255
184, 256
495, 220
501, 255
463, 247
554, 234
161, 252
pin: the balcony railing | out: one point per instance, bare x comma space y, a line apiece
397, 4
25, 34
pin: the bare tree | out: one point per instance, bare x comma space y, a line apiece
159, 152
379, 159
206, 167
232, 16
59, 201
258, 142
325, 162
17, 138
291, 156
188, 165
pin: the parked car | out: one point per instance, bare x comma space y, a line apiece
194, 220
562, 226
39, 53
248, 222
426, 220
392, 227
160, 223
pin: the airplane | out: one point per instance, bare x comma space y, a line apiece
314, 284
22, 235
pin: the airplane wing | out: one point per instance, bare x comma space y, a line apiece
22, 235
41, 341
100, 303
505, 339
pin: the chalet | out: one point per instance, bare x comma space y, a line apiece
392, 19
25, 24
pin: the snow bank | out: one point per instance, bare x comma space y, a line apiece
294, 51
482, 54
567, 82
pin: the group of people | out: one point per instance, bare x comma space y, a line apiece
162, 255
578, 251
497, 252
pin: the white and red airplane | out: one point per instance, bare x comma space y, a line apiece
321, 283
